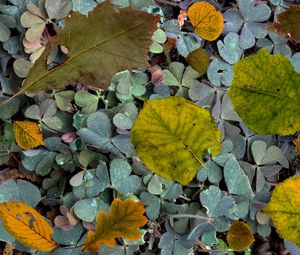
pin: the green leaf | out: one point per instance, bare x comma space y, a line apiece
87, 101
171, 135
236, 180
105, 42
63, 100
284, 209
265, 93
121, 179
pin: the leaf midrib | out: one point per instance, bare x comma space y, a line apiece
79, 54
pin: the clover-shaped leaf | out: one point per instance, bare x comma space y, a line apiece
230, 50
121, 179
216, 203
178, 75
220, 73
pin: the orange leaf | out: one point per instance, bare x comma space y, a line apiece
207, 21
239, 236
124, 219
27, 134
25, 224
297, 144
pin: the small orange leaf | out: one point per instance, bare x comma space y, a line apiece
124, 219
25, 224
297, 144
207, 21
239, 236
27, 134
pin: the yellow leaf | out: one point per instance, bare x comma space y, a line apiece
124, 219
239, 236
199, 60
27, 134
171, 135
284, 209
25, 224
207, 21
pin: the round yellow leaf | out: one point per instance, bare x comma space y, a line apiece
284, 209
239, 236
207, 21
171, 135
199, 60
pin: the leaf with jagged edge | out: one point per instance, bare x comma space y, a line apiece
123, 220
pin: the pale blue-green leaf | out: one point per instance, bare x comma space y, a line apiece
222, 158
33, 112
202, 94
4, 235
169, 245
187, 43
209, 238
246, 39
269, 171
239, 146
263, 229
87, 101
258, 149
155, 186
296, 61
291, 247
254, 12
221, 224
87, 209
4, 32
241, 209
236, 180
199, 230
259, 30
124, 145
272, 155
48, 108
60, 122
83, 6
232, 21
260, 180
152, 204
230, 50
220, 73
129, 110
172, 192
10, 108
172, 26
58, 9
12, 46
121, 179
68, 237
227, 110
122, 121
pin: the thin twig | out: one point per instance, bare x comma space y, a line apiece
183, 215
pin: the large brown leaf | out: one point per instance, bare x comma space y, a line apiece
99, 45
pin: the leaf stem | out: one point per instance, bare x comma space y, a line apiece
185, 215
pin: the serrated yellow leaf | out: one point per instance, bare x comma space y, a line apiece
207, 21
239, 236
25, 224
124, 219
27, 134
284, 209
171, 135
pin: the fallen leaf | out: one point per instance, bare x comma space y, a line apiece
14, 174
207, 21
265, 93
27, 134
27, 226
199, 60
297, 144
123, 220
170, 136
288, 23
9, 249
239, 236
99, 45
284, 209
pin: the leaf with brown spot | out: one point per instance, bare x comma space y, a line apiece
27, 226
